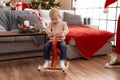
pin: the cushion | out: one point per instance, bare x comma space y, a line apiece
72, 19
4, 19
6, 39
31, 18
73, 52
45, 14
2, 28
12, 17
23, 38
34, 11
62, 12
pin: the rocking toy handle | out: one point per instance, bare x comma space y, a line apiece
54, 52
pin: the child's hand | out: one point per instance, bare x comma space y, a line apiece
50, 34
60, 35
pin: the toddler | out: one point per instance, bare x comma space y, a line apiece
59, 28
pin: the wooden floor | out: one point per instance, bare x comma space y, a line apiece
79, 69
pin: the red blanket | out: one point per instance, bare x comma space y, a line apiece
88, 40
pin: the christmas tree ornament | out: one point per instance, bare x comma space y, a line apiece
44, 4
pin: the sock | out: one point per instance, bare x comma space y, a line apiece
62, 63
113, 58
46, 64
112, 62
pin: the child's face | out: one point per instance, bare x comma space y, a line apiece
55, 19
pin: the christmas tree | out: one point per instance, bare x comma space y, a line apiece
45, 4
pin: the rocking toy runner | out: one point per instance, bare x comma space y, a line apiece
53, 63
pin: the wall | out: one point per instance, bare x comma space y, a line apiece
65, 4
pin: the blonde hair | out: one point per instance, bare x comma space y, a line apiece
54, 12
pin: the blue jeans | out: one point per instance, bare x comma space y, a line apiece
47, 49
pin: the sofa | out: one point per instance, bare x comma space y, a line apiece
74, 53
36, 43
71, 19
9, 22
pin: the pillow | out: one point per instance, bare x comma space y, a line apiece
4, 18
45, 14
12, 17
72, 19
34, 11
2, 28
31, 18
45, 23
62, 11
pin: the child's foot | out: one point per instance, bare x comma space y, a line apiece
62, 63
46, 64
112, 64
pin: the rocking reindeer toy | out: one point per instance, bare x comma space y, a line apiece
53, 63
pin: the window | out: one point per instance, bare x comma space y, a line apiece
94, 10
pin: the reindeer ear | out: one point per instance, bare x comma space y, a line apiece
108, 2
